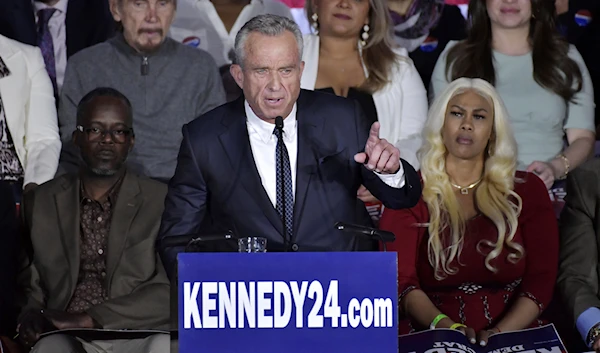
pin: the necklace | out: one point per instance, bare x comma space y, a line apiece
465, 189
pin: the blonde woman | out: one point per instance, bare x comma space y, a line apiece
479, 252
352, 55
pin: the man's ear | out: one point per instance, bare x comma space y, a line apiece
115, 9
237, 74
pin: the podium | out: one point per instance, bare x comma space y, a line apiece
288, 302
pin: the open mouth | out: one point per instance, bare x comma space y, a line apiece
274, 101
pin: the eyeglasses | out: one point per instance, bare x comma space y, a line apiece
95, 134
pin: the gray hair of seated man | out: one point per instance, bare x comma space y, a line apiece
270, 25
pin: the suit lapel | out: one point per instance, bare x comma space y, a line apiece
306, 158
236, 143
127, 206
67, 206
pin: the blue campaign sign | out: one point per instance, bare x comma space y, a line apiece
288, 302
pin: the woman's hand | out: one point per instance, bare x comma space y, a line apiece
484, 335
467, 331
365, 195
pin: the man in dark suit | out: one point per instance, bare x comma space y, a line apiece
60, 28
579, 273
230, 162
93, 233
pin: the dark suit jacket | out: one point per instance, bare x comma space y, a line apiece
585, 38
8, 259
137, 286
216, 178
579, 273
88, 22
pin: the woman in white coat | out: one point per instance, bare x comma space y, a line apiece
29, 141
352, 54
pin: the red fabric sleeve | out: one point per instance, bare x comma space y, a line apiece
539, 230
404, 224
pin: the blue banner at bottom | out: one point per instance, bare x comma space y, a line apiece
288, 302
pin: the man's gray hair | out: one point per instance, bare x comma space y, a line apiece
270, 25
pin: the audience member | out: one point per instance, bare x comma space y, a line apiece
8, 262
579, 240
213, 24
479, 252
353, 56
60, 28
424, 28
331, 153
579, 22
168, 83
29, 141
93, 233
542, 80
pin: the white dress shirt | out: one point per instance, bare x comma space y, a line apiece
263, 143
198, 24
58, 31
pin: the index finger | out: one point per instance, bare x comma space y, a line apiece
375, 130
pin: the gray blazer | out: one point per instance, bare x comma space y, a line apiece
579, 270
137, 285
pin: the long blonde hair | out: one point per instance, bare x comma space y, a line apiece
378, 55
495, 196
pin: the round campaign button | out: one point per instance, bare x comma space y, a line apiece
429, 45
193, 42
583, 18
295, 247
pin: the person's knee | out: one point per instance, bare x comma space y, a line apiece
57, 344
159, 343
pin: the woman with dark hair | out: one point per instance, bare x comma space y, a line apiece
424, 28
542, 79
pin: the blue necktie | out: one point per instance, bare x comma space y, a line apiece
286, 190
44, 41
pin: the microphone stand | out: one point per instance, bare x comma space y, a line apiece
279, 126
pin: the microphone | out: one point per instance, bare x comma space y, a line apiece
190, 239
279, 127
371, 233
279, 124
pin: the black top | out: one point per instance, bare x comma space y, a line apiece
8, 258
451, 26
581, 26
363, 98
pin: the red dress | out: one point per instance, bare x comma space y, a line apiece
475, 296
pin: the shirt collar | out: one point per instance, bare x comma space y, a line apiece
110, 196
265, 129
61, 6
